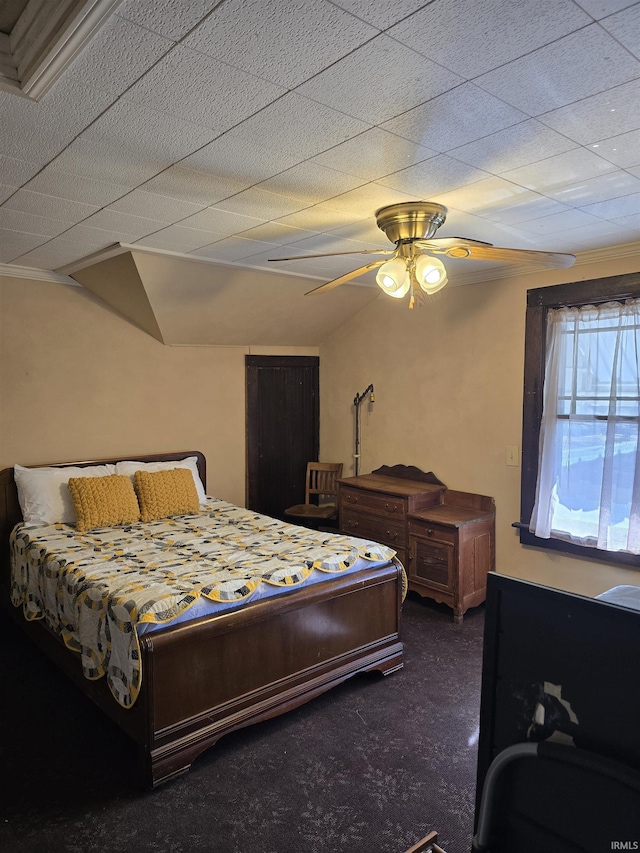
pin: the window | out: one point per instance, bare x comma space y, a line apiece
581, 466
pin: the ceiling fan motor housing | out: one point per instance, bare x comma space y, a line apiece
411, 220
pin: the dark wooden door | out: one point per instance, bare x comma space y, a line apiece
282, 429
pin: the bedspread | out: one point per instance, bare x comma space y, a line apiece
94, 588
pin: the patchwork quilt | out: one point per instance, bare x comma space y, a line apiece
94, 588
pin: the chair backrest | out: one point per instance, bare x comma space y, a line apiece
322, 479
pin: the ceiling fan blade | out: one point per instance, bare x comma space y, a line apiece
336, 254
336, 282
449, 242
475, 250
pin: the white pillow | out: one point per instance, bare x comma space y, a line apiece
43, 493
190, 462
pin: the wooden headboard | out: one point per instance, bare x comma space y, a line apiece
10, 513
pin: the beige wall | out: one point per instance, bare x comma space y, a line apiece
448, 380
77, 381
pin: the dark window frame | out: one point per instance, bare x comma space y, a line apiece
539, 302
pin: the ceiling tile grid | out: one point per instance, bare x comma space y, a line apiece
231, 130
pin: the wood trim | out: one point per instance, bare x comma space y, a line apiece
539, 302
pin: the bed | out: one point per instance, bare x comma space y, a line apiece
239, 662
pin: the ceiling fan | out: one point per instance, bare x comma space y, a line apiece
413, 265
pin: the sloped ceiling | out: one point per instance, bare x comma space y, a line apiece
187, 302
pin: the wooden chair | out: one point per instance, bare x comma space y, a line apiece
322, 482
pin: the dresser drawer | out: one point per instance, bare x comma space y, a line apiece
431, 563
436, 532
384, 505
388, 532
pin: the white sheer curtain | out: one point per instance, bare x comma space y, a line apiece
588, 488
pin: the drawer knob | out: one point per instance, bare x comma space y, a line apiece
353, 524
430, 531
352, 499
391, 535
391, 507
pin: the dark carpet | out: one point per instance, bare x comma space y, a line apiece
372, 766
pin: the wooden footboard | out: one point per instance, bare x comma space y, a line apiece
205, 678
209, 678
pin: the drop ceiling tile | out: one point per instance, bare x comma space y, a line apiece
29, 223
198, 188
601, 8
177, 238
599, 117
236, 156
491, 197
131, 227
623, 150
320, 217
301, 127
364, 201
154, 206
221, 222
474, 36
234, 249
37, 131
528, 205
51, 206
558, 222
311, 183
15, 173
365, 231
380, 80
625, 27
276, 233
515, 146
6, 192
202, 90
630, 222
56, 253
462, 115
108, 160
612, 185
560, 171
159, 135
119, 53
432, 177
596, 236
13, 244
288, 45
382, 13
94, 239
616, 208
575, 67
260, 203
170, 18
321, 243
64, 185
373, 154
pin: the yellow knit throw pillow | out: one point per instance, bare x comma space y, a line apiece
103, 501
162, 494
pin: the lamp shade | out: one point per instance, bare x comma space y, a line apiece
430, 273
393, 278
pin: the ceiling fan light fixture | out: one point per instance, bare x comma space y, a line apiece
393, 278
430, 274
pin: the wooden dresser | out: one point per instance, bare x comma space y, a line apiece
445, 539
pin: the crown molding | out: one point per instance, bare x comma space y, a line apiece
35, 274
